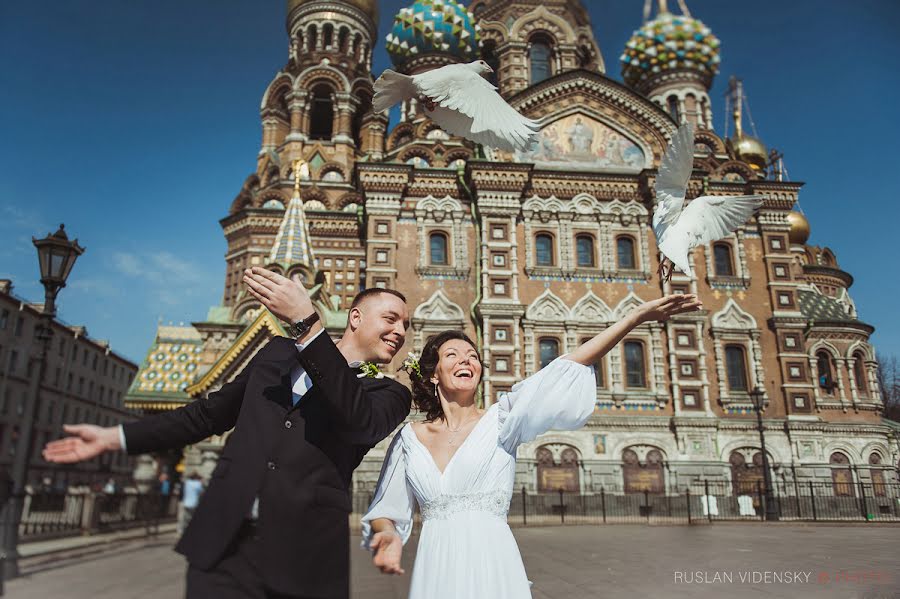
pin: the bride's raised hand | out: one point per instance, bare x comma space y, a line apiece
388, 548
667, 306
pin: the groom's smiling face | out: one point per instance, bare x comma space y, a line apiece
382, 322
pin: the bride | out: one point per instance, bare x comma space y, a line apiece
459, 464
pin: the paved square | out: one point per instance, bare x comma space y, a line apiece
573, 562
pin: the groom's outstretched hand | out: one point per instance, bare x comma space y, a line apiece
86, 441
388, 548
284, 298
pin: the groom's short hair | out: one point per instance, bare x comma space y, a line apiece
372, 291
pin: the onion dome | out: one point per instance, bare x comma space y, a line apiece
444, 26
799, 232
369, 7
667, 43
750, 150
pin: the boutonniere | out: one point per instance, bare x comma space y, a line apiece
370, 371
411, 365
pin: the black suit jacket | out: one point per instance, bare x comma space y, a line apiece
297, 460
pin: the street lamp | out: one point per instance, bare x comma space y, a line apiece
758, 398
56, 256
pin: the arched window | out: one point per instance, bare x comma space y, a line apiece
584, 245
543, 250
549, 350
625, 252
437, 244
877, 475
635, 378
539, 57
643, 478
672, 105
859, 372
722, 256
343, 36
321, 115
328, 33
736, 368
841, 476
825, 372
489, 55
311, 38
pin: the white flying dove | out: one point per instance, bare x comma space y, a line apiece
462, 102
706, 218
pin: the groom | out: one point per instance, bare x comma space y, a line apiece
274, 521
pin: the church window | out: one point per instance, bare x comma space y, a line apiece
584, 244
438, 248
311, 38
825, 371
334, 176
625, 252
736, 368
859, 372
672, 105
328, 34
549, 350
724, 264
322, 113
635, 377
543, 246
539, 56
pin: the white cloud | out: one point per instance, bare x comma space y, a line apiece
173, 279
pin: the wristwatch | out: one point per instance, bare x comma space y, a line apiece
301, 327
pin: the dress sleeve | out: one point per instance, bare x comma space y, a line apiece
560, 396
393, 497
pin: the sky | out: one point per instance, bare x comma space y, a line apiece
135, 124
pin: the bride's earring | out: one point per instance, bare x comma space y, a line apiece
435, 391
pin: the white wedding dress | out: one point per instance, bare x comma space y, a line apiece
466, 549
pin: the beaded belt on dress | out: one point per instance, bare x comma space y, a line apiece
444, 506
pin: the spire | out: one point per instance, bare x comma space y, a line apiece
292, 244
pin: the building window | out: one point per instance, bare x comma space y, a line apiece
549, 350
20, 324
543, 250
437, 243
672, 105
722, 255
825, 371
4, 319
584, 246
539, 56
635, 377
736, 368
859, 372
689, 399
321, 115
625, 252
13, 361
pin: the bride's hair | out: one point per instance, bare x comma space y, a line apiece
423, 390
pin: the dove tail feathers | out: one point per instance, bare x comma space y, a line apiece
390, 88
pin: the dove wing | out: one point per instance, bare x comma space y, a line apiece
473, 109
671, 182
710, 218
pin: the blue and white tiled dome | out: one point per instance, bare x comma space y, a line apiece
433, 26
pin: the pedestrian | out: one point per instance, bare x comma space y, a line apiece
190, 497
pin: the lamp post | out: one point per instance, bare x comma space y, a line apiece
56, 256
758, 398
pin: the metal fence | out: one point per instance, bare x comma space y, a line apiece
48, 515
701, 502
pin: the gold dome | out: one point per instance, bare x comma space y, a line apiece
750, 150
370, 7
799, 232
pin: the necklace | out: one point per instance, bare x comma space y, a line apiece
453, 432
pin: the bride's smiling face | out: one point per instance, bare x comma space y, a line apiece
458, 369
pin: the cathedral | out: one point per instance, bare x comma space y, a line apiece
533, 252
